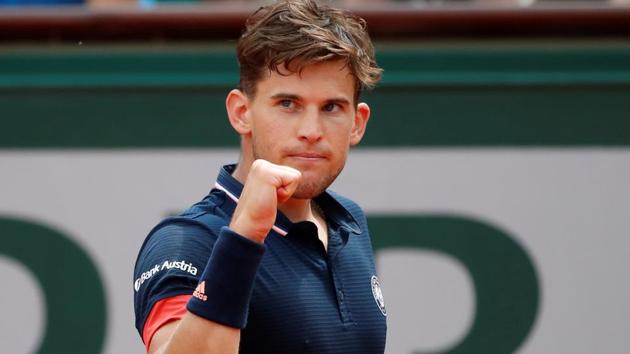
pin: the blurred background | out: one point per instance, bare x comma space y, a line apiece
494, 171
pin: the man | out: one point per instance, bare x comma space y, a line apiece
269, 261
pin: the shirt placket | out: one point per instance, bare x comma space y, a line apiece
335, 245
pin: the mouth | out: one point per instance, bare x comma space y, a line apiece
307, 156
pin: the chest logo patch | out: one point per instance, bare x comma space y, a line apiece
378, 295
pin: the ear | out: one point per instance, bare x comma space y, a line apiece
361, 117
237, 106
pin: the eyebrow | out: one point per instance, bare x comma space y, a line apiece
279, 96
341, 101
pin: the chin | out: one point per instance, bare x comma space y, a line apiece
307, 194
310, 188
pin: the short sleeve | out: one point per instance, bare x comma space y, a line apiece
169, 264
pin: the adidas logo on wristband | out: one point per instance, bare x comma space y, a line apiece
200, 291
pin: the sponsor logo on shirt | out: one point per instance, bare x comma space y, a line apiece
378, 295
200, 291
181, 265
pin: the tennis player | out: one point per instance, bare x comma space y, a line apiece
270, 261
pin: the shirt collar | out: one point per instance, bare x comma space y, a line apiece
334, 211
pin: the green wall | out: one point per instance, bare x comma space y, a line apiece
432, 94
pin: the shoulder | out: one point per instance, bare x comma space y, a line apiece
198, 224
175, 233
173, 240
189, 236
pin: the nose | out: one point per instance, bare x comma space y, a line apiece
310, 129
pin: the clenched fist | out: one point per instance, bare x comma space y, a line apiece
266, 186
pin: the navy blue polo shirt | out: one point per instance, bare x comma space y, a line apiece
305, 299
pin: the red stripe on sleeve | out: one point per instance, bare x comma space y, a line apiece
163, 312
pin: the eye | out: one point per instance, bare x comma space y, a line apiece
331, 107
286, 103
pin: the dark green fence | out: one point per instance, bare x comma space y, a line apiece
537, 93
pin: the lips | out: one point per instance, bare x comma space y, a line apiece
308, 155
301, 157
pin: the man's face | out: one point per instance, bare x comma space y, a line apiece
307, 121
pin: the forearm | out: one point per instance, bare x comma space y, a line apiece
194, 334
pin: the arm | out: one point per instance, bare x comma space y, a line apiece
197, 332
194, 334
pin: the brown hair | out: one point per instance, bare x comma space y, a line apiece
297, 33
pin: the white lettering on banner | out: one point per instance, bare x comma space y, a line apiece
181, 265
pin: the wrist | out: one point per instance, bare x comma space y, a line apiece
248, 230
225, 286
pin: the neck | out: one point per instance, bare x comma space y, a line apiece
244, 162
297, 209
